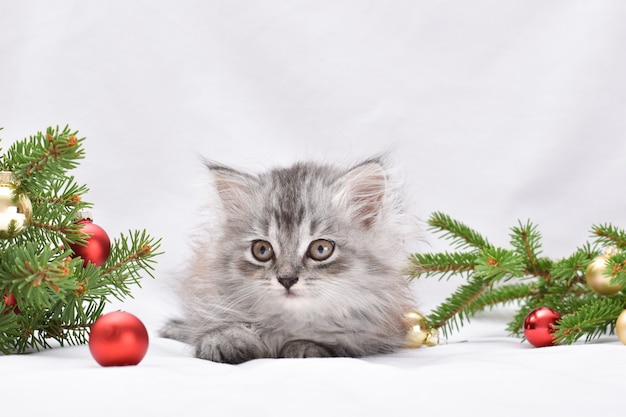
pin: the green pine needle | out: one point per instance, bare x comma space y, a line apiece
593, 319
454, 312
57, 296
496, 276
609, 235
526, 240
441, 264
461, 235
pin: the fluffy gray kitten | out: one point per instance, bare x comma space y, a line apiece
304, 261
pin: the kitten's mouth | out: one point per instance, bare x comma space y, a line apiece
290, 294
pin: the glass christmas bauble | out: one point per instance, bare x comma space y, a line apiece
418, 331
98, 247
596, 278
15, 208
118, 339
538, 326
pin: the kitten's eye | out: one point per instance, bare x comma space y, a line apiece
262, 250
321, 249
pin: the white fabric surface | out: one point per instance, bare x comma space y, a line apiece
493, 111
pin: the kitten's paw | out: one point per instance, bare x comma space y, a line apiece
177, 330
232, 345
304, 349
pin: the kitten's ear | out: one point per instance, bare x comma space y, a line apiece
233, 186
363, 190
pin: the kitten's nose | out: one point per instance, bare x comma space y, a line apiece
288, 282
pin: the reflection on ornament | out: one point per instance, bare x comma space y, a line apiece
596, 278
15, 208
418, 332
620, 327
538, 326
415, 337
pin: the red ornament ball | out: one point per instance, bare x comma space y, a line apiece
10, 301
538, 326
98, 246
118, 339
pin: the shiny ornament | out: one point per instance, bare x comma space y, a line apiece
98, 246
10, 301
415, 338
620, 327
118, 339
596, 278
16, 210
418, 331
538, 326
414, 318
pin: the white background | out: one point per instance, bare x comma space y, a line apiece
494, 112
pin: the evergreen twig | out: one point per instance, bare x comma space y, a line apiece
497, 276
46, 293
461, 235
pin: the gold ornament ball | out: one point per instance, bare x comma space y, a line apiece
597, 281
15, 208
413, 318
432, 339
620, 327
415, 337
419, 333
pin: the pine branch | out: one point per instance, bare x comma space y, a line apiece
442, 264
596, 317
44, 157
132, 255
454, 312
461, 235
501, 296
526, 240
496, 263
610, 235
571, 270
497, 276
37, 275
49, 294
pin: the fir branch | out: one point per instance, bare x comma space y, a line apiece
130, 256
609, 235
496, 263
44, 157
57, 297
453, 312
594, 318
442, 264
461, 235
571, 270
39, 276
502, 295
525, 238
64, 192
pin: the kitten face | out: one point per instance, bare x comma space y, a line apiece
295, 251
303, 238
